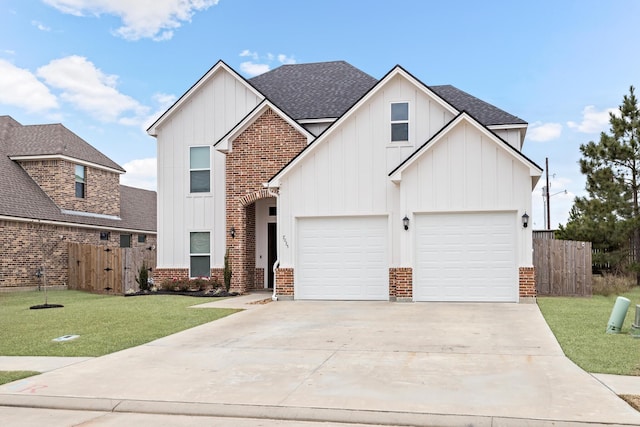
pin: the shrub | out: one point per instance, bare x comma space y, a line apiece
143, 277
227, 271
183, 284
610, 284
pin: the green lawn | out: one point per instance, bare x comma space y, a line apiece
579, 325
105, 324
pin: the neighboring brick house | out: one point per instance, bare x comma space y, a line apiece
352, 188
56, 188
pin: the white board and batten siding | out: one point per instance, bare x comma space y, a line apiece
202, 118
465, 196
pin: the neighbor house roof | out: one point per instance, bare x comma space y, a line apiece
22, 198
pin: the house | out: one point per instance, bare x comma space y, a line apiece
348, 187
56, 188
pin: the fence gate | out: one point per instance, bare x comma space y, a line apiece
107, 270
562, 267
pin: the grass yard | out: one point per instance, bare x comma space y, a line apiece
579, 325
105, 324
10, 376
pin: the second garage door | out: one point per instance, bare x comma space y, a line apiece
465, 257
342, 258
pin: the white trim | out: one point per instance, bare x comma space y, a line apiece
311, 121
91, 214
65, 158
396, 71
503, 127
75, 225
153, 129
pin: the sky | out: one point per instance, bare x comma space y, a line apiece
107, 68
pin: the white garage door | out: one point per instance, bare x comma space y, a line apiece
465, 257
342, 258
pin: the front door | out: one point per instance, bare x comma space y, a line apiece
272, 251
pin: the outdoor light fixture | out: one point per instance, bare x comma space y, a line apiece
405, 222
525, 220
232, 232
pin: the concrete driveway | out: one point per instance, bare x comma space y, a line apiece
359, 362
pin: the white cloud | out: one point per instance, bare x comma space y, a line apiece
541, 132
40, 26
253, 69
163, 102
9, 52
154, 19
261, 64
141, 173
87, 88
593, 121
20, 88
284, 59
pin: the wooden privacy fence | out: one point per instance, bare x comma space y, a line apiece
562, 267
107, 270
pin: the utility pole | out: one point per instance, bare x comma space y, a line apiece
547, 194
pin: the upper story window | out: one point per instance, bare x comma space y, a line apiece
399, 121
199, 169
81, 172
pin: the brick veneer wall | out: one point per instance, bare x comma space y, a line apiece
401, 282
257, 154
25, 247
57, 179
162, 274
527, 280
284, 282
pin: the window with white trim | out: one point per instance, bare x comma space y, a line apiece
399, 121
199, 254
199, 169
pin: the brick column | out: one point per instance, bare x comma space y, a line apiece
284, 283
527, 281
401, 283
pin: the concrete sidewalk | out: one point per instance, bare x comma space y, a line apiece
341, 362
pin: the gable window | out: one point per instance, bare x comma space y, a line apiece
125, 240
142, 238
81, 172
104, 235
399, 121
200, 254
199, 169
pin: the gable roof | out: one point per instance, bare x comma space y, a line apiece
22, 199
225, 143
396, 174
314, 91
485, 113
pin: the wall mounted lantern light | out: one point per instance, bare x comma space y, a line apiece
232, 232
405, 222
525, 220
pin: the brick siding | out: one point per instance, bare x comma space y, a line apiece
527, 280
57, 179
400, 282
25, 247
284, 282
258, 153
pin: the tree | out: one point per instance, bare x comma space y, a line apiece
610, 215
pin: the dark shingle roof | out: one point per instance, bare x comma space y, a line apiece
21, 197
484, 112
37, 140
328, 89
314, 91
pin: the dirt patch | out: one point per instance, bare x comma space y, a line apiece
632, 400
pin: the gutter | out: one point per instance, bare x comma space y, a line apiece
274, 297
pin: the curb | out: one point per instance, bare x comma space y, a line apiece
284, 413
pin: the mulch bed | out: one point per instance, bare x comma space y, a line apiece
205, 294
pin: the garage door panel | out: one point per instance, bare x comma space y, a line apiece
342, 258
465, 257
